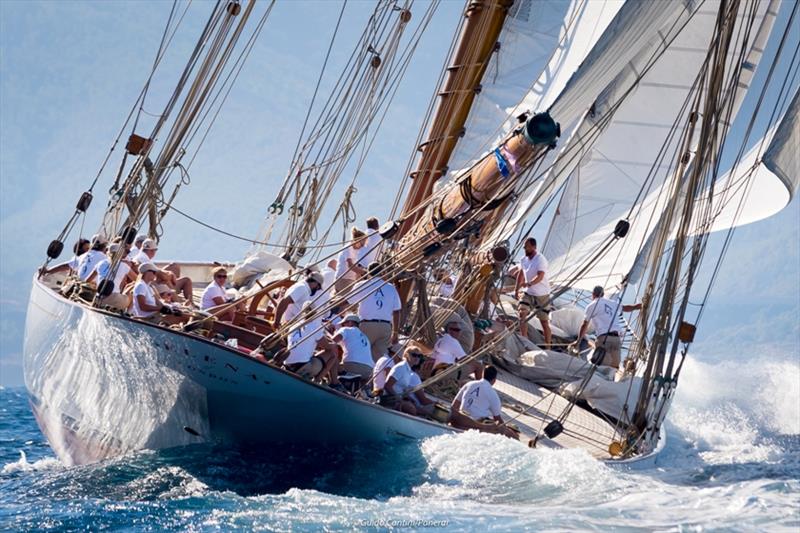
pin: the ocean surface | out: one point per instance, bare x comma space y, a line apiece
732, 462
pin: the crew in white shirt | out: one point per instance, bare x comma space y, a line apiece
146, 302
532, 275
383, 367
137, 247
357, 357
308, 353
448, 351
477, 406
80, 248
89, 260
347, 269
379, 309
369, 252
169, 275
603, 316
123, 276
402, 378
214, 294
291, 303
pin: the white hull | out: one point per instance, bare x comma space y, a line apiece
101, 385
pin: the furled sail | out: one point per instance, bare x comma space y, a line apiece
628, 172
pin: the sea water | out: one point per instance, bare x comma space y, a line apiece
732, 462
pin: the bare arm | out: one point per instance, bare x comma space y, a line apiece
281, 309
389, 385
395, 325
629, 308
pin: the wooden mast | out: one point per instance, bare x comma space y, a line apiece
477, 42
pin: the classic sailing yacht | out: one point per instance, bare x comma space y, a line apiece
616, 119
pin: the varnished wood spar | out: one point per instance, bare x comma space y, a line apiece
477, 42
485, 184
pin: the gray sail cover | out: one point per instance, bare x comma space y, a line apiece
783, 155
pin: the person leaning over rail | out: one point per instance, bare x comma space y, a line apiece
477, 406
532, 275
401, 379
448, 351
291, 303
379, 308
603, 315
80, 248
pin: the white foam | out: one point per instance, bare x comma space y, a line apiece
22, 464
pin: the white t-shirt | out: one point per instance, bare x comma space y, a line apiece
104, 269
603, 316
446, 289
212, 291
479, 400
133, 253
447, 350
530, 269
355, 345
141, 258
301, 352
342, 266
300, 293
143, 289
405, 378
379, 373
369, 252
88, 261
73, 263
378, 299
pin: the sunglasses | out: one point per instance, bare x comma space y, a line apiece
221, 276
453, 329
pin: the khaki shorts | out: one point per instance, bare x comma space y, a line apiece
379, 335
540, 305
365, 371
117, 301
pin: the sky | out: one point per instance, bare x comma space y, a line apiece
69, 72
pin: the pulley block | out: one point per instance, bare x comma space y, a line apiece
54, 249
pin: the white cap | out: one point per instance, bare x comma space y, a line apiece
149, 244
114, 247
99, 238
147, 267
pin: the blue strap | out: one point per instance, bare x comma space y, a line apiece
502, 164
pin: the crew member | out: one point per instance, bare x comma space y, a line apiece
603, 315
477, 406
291, 303
532, 275
448, 351
357, 358
379, 308
401, 380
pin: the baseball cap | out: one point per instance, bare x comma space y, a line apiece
149, 244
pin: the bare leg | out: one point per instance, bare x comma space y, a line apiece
184, 286
548, 335
523, 320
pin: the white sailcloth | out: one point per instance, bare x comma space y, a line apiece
636, 32
783, 155
540, 41
628, 171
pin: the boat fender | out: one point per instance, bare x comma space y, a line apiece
621, 229
234, 8
54, 249
128, 234
553, 429
84, 202
105, 288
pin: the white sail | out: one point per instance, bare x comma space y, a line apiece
637, 32
783, 155
618, 178
544, 39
